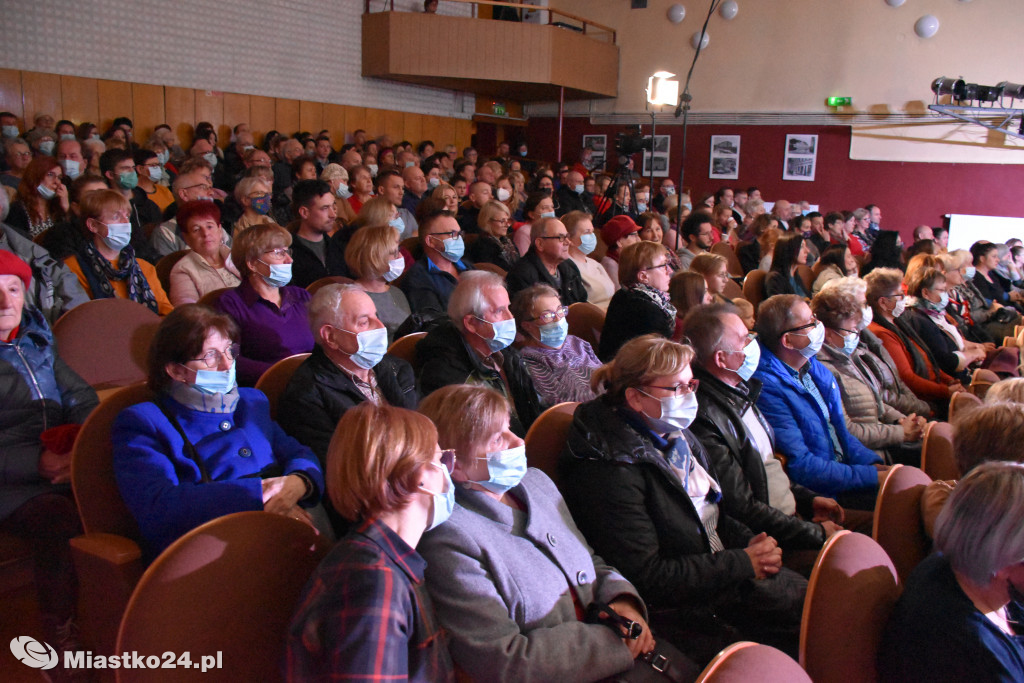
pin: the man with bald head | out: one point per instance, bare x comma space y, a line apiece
782, 212
547, 262
572, 195
415, 188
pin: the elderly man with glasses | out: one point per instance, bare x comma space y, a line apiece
547, 262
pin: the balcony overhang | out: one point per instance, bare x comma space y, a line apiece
523, 62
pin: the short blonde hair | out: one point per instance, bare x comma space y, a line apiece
376, 211
332, 171
1006, 391
707, 264
640, 360
466, 416
369, 251
93, 204
375, 457
251, 245
574, 219
635, 258
247, 185
492, 209
882, 282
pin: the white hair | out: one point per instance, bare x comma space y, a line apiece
468, 296
325, 306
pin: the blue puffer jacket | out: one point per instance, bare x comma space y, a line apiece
801, 433
37, 392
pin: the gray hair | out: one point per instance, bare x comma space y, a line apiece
1008, 390
704, 326
538, 227
246, 185
468, 296
332, 171
325, 305
861, 213
851, 286
774, 316
979, 528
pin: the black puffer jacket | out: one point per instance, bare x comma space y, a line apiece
632, 508
739, 468
530, 270
446, 358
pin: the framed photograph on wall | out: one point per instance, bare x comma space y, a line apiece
662, 144
801, 157
725, 157
597, 158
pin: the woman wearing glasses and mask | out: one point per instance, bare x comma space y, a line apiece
270, 314
640, 486
642, 306
510, 574
204, 447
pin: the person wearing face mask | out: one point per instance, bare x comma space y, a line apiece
365, 614
167, 237
254, 195
150, 172
869, 417
41, 201
375, 260
105, 263
801, 401
118, 168
988, 320
429, 283
348, 366
560, 364
640, 485
739, 441
270, 313
548, 262
582, 244
642, 306
473, 346
204, 447
498, 569
337, 177
914, 361
572, 195
959, 616
494, 245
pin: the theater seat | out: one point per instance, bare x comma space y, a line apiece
164, 266
545, 440
211, 298
806, 276
490, 267
405, 348
312, 287
981, 380
937, 459
961, 402
732, 261
897, 524
744, 662
275, 378
229, 586
586, 322
851, 592
753, 287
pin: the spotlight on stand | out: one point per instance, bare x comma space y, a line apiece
949, 86
661, 89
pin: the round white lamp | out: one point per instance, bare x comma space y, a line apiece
927, 26
676, 13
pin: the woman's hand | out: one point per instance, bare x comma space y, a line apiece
765, 555
913, 428
827, 510
56, 468
280, 494
62, 194
645, 643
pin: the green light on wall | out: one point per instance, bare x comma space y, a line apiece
839, 101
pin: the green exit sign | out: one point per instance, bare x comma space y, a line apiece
839, 101
499, 109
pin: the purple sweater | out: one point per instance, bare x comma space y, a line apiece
269, 333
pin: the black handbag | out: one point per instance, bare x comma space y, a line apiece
663, 664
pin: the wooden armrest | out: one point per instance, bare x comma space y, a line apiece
110, 548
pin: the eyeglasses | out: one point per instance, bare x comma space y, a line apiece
447, 235
280, 251
680, 389
501, 221
201, 186
812, 324
667, 266
548, 317
53, 175
213, 356
564, 237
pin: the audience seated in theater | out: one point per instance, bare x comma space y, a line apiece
365, 613
254, 195
993, 285
430, 281
473, 346
176, 463
886, 252
959, 616
271, 315
914, 362
389, 184
714, 268
647, 499
559, 363
697, 233
105, 263
572, 195
17, 156
538, 205
582, 242
375, 260
968, 303
739, 441
896, 437
316, 254
745, 310
761, 242
861, 225
494, 245
53, 288
150, 172
41, 201
642, 306
548, 262
415, 188
44, 403
69, 155
651, 230
188, 187
337, 177
790, 253
498, 587
801, 400
836, 261
621, 204
207, 266
617, 234
687, 290
448, 197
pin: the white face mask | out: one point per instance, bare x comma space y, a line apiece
503, 194
816, 337
677, 412
900, 306
866, 316
751, 359
396, 267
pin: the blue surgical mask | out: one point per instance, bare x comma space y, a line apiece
641, 207
578, 189
547, 214
118, 235
410, 164
72, 169
280, 274
751, 358
215, 381
522, 153
67, 136
688, 206
343, 191
970, 272
553, 334
588, 242
10, 131
129, 180
504, 333
46, 147
940, 305
211, 158
505, 469
163, 157
45, 192
443, 502
454, 248
396, 267
850, 343
398, 224
155, 173
373, 344
433, 182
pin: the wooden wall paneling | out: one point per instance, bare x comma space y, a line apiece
463, 133
355, 118
80, 99
311, 117
148, 109
430, 129
373, 123
334, 122
210, 108
41, 93
287, 116
11, 95
115, 99
236, 111
412, 124
180, 110
262, 116
394, 125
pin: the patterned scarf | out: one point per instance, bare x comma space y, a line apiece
659, 298
99, 273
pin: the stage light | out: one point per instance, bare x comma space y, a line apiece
1014, 90
988, 93
949, 86
661, 89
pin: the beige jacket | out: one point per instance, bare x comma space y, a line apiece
192, 277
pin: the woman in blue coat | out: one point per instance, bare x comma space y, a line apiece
205, 447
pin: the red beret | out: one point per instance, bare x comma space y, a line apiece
617, 228
10, 264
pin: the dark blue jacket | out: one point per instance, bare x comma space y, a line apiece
801, 433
